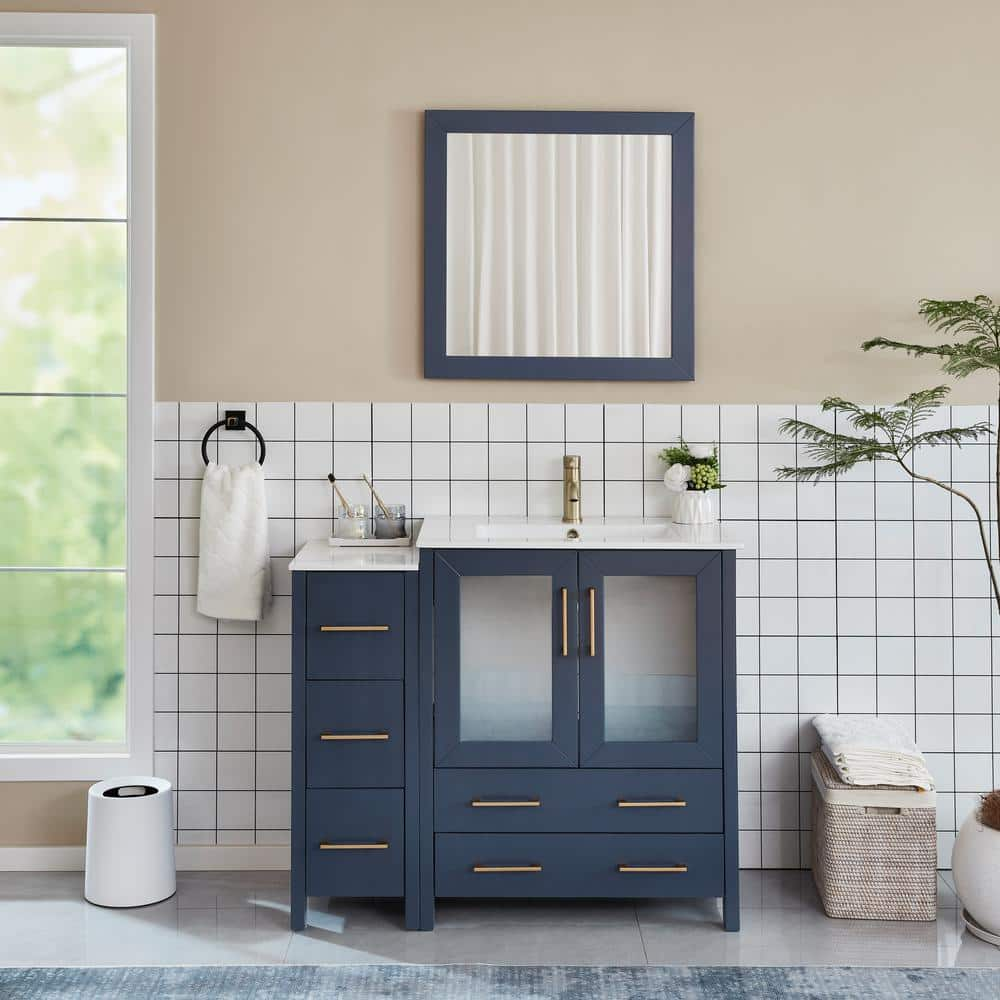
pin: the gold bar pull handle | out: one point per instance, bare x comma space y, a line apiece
352, 737
482, 869
675, 869
651, 804
592, 598
354, 628
565, 621
505, 803
378, 845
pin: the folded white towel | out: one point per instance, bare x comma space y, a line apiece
872, 751
846, 733
234, 570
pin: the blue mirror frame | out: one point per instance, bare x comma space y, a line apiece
679, 125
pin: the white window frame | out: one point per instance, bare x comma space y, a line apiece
136, 33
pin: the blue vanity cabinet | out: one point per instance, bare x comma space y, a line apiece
556, 723
354, 738
583, 736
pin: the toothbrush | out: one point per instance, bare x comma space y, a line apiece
343, 500
378, 499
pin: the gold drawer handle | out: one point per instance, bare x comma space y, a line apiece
349, 737
506, 868
505, 804
380, 845
653, 868
666, 804
354, 628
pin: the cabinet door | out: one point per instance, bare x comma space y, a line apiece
651, 659
505, 659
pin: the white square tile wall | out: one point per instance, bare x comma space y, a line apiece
865, 595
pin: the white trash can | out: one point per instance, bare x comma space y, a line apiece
130, 842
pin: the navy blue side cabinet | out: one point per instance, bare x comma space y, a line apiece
355, 730
517, 723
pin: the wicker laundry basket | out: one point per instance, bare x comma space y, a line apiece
874, 849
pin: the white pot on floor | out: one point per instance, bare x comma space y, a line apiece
695, 507
975, 864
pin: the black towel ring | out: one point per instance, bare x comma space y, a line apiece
235, 420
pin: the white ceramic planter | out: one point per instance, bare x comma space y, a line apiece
975, 864
695, 507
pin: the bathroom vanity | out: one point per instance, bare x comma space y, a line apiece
516, 708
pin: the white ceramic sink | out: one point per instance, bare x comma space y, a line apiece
551, 533
556, 531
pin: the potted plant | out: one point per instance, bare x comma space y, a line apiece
975, 864
901, 434
692, 473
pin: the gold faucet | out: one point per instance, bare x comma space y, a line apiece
571, 490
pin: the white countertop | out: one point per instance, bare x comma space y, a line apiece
319, 555
652, 533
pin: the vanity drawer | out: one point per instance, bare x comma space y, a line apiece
567, 800
354, 626
354, 734
578, 865
354, 842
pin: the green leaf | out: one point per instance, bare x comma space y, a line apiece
885, 433
977, 319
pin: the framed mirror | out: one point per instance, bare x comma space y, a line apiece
559, 245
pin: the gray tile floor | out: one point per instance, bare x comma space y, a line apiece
242, 918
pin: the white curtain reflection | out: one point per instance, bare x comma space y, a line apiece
558, 245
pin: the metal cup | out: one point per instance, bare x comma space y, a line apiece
393, 526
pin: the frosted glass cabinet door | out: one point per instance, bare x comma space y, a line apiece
651, 659
505, 658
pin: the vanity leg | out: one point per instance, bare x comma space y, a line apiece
297, 920
731, 910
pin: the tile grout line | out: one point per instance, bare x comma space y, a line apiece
215, 756
760, 651
798, 667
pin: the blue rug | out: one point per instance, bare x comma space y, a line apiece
494, 982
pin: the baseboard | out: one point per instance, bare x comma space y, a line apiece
189, 858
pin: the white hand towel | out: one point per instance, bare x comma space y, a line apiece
234, 571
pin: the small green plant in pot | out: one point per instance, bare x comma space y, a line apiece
692, 475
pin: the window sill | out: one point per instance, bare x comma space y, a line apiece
71, 766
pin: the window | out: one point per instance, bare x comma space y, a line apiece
76, 347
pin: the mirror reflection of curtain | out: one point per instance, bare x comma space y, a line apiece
558, 245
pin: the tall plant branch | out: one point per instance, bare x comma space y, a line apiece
889, 433
983, 532
976, 319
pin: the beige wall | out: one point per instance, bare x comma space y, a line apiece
44, 813
846, 165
